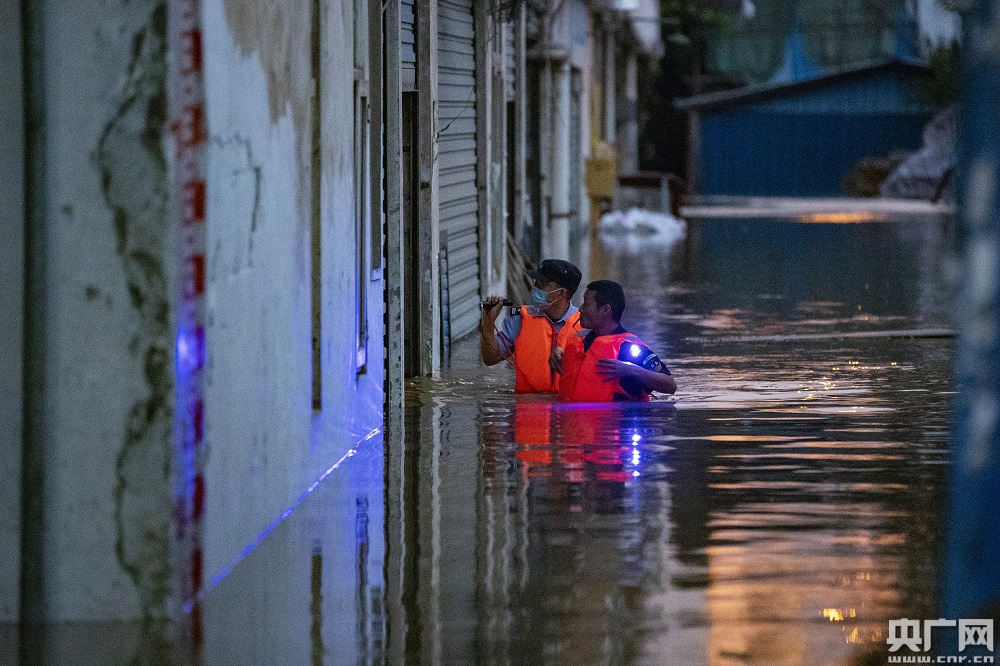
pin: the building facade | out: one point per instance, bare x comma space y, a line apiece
804, 138
235, 228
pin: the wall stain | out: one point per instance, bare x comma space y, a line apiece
278, 33
133, 176
272, 30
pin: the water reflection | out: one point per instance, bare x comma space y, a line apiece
313, 590
779, 511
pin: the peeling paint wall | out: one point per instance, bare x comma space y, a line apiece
265, 442
11, 305
102, 416
270, 30
133, 180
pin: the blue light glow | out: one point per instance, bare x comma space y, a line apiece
635, 456
190, 351
636, 350
636, 437
219, 577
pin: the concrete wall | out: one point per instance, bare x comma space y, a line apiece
265, 443
98, 371
11, 305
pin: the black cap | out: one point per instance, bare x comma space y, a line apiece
561, 272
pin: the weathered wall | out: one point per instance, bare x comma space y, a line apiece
11, 305
98, 365
258, 316
266, 444
99, 374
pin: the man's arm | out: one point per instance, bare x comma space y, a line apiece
661, 382
489, 348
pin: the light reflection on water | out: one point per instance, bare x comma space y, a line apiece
779, 510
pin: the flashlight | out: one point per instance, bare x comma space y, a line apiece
506, 302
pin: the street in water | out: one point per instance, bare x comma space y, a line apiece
781, 508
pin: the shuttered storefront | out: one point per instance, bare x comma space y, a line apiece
457, 161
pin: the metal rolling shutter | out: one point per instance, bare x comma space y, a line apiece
408, 42
457, 160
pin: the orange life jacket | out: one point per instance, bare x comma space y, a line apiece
532, 349
580, 380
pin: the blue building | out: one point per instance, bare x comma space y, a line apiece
800, 135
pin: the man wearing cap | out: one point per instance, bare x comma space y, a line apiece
529, 336
604, 362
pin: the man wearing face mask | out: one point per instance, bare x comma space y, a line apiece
529, 336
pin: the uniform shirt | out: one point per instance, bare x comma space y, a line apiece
645, 359
511, 328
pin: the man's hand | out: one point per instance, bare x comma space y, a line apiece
609, 368
489, 349
493, 307
555, 359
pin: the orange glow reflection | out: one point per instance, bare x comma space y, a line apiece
844, 217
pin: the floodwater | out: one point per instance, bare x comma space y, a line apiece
780, 509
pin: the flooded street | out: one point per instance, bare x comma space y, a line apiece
780, 509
